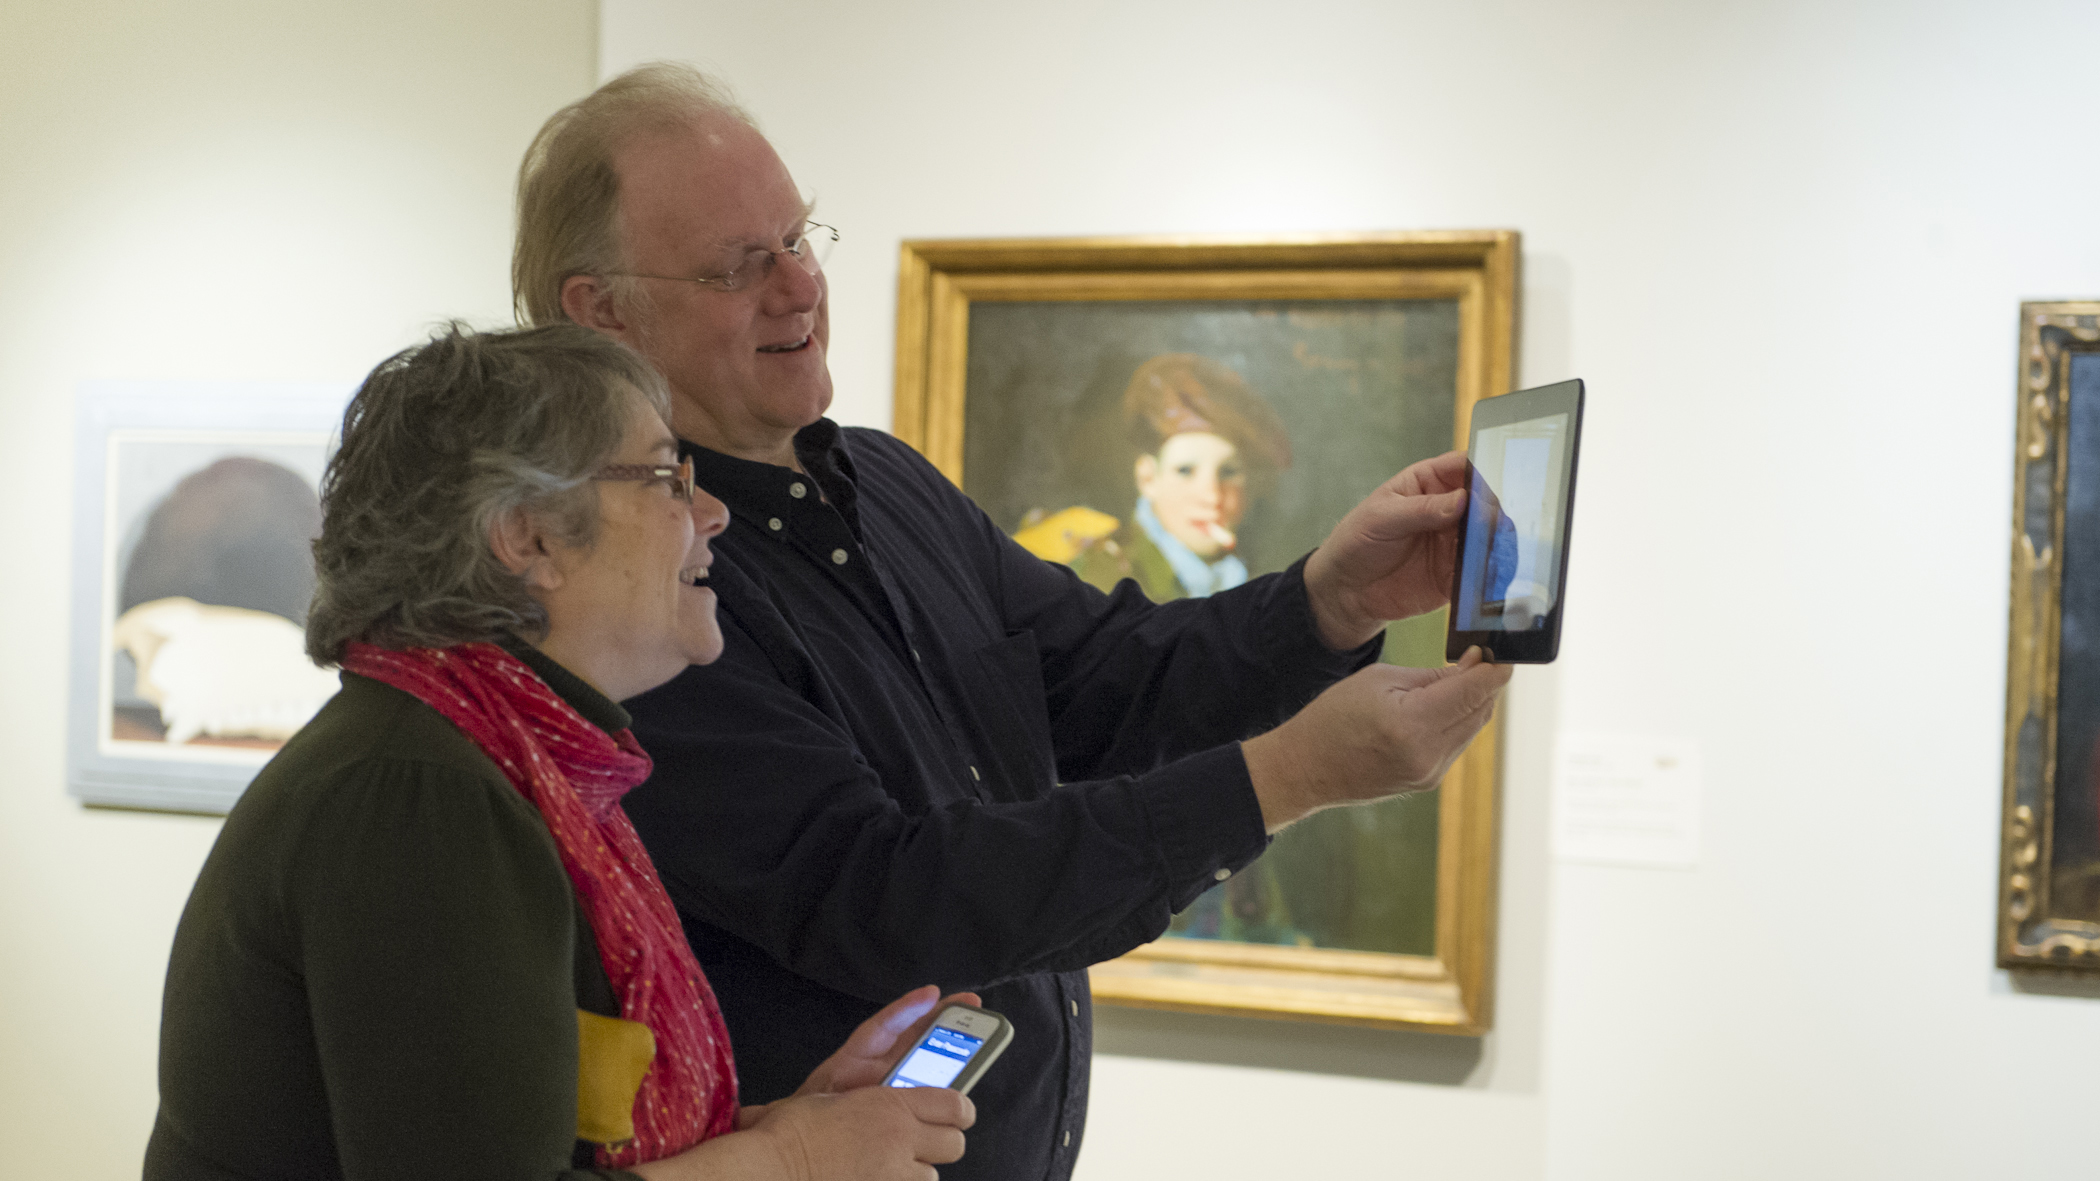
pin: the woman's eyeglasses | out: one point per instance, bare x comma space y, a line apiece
680, 477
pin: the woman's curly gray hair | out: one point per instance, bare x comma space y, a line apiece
440, 442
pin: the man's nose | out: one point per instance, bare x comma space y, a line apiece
791, 290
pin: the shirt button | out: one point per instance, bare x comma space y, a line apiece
838, 557
1075, 1008
975, 775
915, 654
1068, 1139
798, 490
1222, 874
773, 523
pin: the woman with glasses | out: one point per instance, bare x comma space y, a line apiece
427, 942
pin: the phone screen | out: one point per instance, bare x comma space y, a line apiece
937, 1059
1509, 574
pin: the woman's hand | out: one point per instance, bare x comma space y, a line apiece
841, 1126
881, 1040
867, 1055
872, 1134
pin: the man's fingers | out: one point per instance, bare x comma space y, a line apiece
1477, 688
1480, 679
1440, 474
1447, 471
1460, 691
1407, 677
1403, 677
1398, 517
1433, 724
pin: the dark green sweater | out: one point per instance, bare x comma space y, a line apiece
377, 974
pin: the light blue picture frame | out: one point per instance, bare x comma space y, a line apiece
132, 441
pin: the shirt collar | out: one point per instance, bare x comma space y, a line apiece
753, 489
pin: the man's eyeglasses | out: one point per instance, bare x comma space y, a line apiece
680, 478
810, 247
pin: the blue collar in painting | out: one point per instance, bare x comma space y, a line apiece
1198, 577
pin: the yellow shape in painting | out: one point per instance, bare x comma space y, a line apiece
1060, 536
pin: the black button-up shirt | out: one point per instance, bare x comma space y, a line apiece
927, 756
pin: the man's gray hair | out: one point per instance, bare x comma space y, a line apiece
569, 193
443, 440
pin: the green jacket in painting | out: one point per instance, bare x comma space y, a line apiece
1129, 553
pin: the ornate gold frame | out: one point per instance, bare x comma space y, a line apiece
2029, 935
1450, 991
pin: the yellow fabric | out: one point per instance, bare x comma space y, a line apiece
1061, 536
612, 1055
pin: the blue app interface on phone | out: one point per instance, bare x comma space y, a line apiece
936, 1061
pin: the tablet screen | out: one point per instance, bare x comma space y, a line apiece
1512, 558
1506, 592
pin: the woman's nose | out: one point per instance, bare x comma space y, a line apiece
710, 516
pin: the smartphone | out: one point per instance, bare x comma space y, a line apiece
1509, 588
963, 1043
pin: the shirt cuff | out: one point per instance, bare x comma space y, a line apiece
1205, 819
1298, 635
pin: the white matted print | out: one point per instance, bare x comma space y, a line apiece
195, 508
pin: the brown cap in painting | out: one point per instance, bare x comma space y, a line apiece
1178, 393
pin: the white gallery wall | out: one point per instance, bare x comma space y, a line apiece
1785, 243
220, 189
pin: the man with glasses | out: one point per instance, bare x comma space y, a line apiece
926, 755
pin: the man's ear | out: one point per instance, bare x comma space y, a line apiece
517, 541
588, 301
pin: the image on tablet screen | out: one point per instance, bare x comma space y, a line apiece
1510, 569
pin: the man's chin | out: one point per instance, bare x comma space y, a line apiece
804, 407
758, 421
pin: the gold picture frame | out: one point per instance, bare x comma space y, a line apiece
2049, 876
1467, 279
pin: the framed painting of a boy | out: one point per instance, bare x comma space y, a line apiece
1192, 414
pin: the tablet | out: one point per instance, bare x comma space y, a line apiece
1508, 588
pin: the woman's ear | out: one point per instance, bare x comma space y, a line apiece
517, 541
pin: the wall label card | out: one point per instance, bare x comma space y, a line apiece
1627, 799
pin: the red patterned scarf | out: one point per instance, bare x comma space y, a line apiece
575, 774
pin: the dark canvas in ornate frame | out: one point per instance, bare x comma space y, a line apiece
2049, 881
